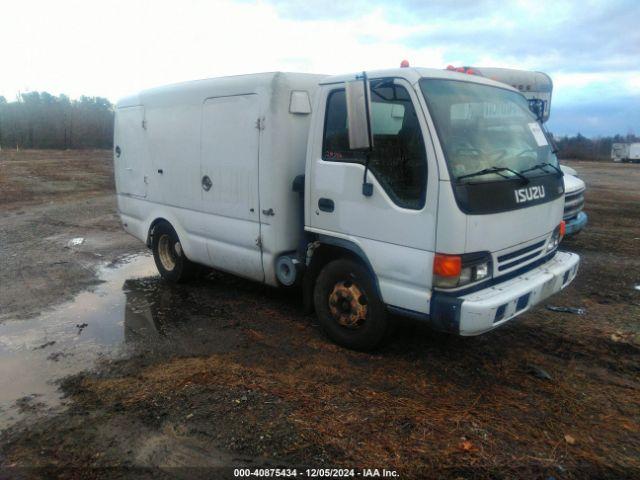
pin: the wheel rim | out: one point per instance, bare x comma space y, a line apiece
348, 304
166, 253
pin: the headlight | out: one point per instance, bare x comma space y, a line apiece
450, 271
481, 271
556, 237
553, 241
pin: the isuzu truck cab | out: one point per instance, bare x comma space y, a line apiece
426, 193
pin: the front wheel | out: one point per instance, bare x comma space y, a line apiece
348, 307
170, 259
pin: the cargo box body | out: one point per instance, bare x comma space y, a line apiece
216, 158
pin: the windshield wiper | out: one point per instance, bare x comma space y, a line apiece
496, 170
540, 166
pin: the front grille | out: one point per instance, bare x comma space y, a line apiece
520, 256
573, 204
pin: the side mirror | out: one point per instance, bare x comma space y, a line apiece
537, 105
358, 99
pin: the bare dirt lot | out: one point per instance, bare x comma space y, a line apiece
165, 381
46, 199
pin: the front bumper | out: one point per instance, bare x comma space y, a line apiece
486, 309
576, 224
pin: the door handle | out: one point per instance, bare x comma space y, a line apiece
326, 205
206, 183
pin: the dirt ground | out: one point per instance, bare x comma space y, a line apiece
46, 199
225, 373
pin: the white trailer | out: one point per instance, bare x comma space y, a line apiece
420, 192
536, 87
625, 152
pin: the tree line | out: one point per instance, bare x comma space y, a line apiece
42, 120
582, 148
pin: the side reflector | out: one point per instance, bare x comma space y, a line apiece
447, 265
563, 229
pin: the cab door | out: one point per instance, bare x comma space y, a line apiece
395, 226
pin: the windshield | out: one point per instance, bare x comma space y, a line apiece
486, 128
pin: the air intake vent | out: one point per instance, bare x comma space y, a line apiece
520, 256
573, 204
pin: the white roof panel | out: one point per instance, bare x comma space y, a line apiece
413, 74
195, 90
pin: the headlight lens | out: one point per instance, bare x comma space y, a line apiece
554, 241
474, 273
450, 271
482, 271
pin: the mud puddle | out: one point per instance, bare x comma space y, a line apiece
131, 312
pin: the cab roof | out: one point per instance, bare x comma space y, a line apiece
413, 74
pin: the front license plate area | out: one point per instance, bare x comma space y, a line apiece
547, 288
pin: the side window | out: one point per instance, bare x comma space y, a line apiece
398, 159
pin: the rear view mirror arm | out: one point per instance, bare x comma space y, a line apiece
367, 188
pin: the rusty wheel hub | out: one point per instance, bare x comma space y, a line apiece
348, 304
166, 252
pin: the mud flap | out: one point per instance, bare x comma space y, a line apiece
445, 312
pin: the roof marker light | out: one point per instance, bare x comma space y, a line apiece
404, 64
467, 70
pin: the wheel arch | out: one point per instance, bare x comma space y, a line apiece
152, 227
329, 249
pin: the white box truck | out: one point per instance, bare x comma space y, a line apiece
421, 192
537, 88
625, 152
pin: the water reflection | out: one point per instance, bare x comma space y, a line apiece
36, 353
144, 317
133, 312
174, 319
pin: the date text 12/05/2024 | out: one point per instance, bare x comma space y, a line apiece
315, 473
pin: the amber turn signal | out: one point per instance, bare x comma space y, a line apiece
447, 265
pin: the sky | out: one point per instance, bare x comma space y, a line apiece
591, 49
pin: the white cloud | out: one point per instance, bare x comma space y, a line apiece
577, 87
110, 49
99, 48
633, 82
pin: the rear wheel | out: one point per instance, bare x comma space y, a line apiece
349, 309
170, 259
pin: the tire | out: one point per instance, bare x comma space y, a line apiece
170, 259
349, 309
